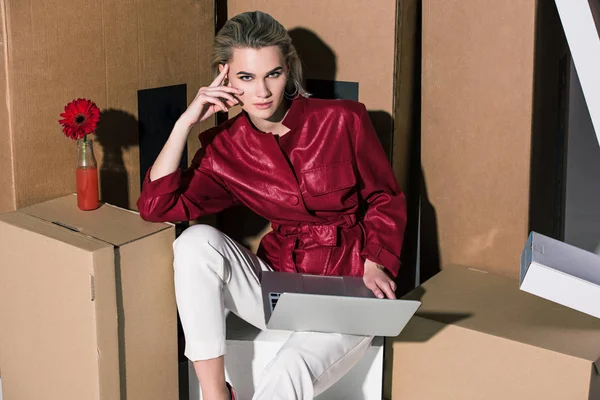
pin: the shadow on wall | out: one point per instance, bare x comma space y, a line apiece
117, 131
429, 250
319, 64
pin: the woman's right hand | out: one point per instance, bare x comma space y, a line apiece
211, 99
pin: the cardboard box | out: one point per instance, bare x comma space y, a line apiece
477, 336
87, 304
113, 52
561, 273
492, 143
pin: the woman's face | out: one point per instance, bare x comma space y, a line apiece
262, 75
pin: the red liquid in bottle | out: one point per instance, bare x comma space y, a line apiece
87, 188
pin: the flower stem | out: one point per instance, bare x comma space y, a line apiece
84, 155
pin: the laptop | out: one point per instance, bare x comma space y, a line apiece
340, 304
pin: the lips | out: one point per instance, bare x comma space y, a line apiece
263, 106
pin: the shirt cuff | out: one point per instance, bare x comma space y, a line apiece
378, 254
164, 185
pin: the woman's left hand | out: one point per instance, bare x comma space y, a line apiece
378, 281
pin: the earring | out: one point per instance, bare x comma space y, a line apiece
291, 96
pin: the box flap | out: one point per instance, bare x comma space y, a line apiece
497, 306
53, 231
108, 223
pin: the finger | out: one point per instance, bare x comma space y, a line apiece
229, 89
372, 286
221, 77
216, 102
393, 285
231, 103
387, 289
378, 293
230, 100
220, 94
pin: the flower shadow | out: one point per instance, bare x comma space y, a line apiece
117, 131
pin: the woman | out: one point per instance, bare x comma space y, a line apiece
314, 168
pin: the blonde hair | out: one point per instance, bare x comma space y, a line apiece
256, 30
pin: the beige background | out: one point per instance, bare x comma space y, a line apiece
477, 94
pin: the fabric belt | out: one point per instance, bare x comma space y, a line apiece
321, 234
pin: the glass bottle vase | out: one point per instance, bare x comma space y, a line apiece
86, 176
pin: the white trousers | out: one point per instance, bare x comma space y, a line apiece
214, 273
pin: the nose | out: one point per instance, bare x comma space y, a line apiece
263, 90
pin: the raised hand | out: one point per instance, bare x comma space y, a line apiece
211, 99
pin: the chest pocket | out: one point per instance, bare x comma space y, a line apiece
330, 187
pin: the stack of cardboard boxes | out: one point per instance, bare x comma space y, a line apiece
490, 172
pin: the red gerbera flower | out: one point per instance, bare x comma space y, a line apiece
80, 118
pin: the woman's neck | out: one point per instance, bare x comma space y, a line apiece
273, 124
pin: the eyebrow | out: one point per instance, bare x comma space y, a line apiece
268, 73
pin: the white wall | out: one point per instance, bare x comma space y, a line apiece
582, 209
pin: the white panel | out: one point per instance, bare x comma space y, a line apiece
582, 213
584, 43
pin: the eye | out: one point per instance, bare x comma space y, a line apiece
275, 74
245, 78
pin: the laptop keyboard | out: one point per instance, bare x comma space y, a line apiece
273, 298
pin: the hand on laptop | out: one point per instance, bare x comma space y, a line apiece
378, 281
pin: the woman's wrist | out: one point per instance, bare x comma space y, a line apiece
182, 127
179, 134
370, 263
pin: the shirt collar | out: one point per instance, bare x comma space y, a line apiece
292, 119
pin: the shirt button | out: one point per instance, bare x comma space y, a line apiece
294, 200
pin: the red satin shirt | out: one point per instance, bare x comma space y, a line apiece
326, 186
